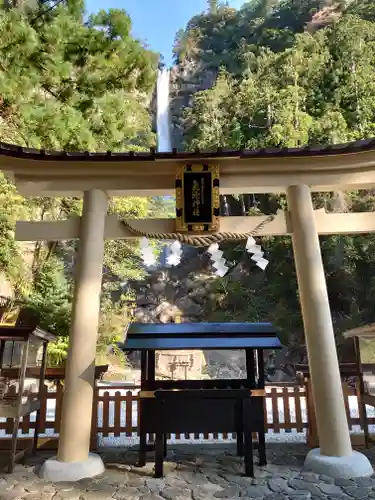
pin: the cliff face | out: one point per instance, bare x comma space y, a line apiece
186, 80
228, 39
325, 17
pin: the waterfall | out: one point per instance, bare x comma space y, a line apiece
163, 128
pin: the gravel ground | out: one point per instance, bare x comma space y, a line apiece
192, 472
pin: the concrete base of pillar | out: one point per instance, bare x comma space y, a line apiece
55, 471
354, 465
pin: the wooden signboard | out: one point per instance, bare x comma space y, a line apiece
197, 198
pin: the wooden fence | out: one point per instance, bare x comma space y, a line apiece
115, 414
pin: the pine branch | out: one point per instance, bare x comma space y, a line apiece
46, 11
32, 23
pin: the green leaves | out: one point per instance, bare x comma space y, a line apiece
321, 90
73, 86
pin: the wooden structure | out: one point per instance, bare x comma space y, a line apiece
222, 405
347, 371
58, 374
112, 403
364, 346
294, 171
115, 413
16, 399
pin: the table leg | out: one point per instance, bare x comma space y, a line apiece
249, 464
159, 454
41, 395
239, 428
142, 437
16, 421
142, 448
262, 448
36, 433
165, 445
13, 452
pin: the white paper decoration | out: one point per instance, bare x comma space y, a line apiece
218, 261
147, 252
175, 252
256, 250
262, 263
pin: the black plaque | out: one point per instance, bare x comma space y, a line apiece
197, 198
197, 188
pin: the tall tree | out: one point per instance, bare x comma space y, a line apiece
69, 85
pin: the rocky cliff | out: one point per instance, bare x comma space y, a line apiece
188, 293
186, 80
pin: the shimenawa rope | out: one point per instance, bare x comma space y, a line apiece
200, 241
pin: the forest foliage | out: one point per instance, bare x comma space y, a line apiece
289, 73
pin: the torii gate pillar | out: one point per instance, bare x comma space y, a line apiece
335, 456
73, 461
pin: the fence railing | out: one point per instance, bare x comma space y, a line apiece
115, 414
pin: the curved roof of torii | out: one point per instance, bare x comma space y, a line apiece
325, 168
39, 154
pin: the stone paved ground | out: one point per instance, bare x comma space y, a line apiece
193, 473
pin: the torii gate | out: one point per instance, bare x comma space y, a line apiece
101, 175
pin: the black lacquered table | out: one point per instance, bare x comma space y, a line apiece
202, 411
201, 405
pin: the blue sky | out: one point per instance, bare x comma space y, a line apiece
156, 22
